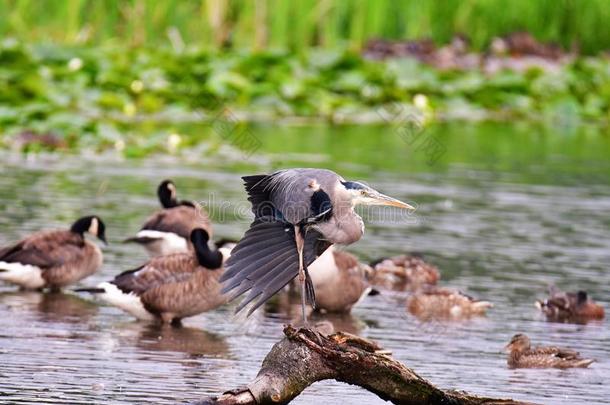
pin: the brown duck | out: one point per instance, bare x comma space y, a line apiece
169, 288
404, 272
53, 259
570, 306
523, 355
436, 302
167, 231
339, 281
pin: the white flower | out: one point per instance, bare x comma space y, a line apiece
137, 86
129, 109
173, 141
421, 101
119, 145
75, 64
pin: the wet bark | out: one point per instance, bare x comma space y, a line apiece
304, 357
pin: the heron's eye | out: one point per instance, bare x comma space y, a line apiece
362, 192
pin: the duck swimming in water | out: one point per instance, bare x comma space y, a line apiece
570, 306
339, 280
404, 272
523, 355
437, 302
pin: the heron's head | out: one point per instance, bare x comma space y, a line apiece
362, 194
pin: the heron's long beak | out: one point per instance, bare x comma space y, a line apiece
383, 199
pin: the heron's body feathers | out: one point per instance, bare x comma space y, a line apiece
293, 195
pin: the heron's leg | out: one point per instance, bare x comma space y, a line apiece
300, 241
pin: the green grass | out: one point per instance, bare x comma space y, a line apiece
299, 24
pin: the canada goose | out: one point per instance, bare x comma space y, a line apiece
169, 288
339, 280
167, 231
522, 355
53, 259
570, 306
436, 302
404, 272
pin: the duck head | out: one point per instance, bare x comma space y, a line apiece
518, 343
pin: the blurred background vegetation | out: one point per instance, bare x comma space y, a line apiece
133, 74
299, 24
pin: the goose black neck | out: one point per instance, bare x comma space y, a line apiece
81, 225
206, 257
167, 201
167, 194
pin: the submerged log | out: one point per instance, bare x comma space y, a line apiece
305, 356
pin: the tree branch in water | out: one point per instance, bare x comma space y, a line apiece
305, 356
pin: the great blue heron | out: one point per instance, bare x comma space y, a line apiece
298, 213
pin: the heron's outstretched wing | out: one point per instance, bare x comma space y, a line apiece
266, 259
258, 193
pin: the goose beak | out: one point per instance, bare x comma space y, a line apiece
103, 239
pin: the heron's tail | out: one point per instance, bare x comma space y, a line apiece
266, 259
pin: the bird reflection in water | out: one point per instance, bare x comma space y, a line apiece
51, 307
60, 307
192, 341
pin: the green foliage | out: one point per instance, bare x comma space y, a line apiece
103, 97
298, 24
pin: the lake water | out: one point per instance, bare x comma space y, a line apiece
502, 210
